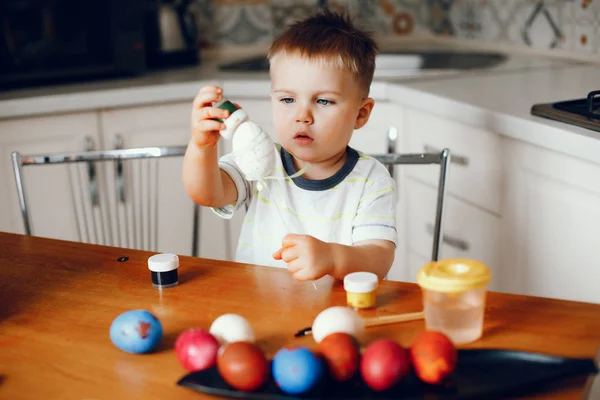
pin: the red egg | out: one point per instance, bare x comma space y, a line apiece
243, 366
196, 349
434, 357
341, 353
384, 363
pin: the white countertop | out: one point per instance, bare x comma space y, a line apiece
497, 99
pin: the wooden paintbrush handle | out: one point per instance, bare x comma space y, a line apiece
392, 319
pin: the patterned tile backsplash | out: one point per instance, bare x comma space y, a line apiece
569, 25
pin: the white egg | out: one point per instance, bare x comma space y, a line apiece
337, 319
229, 328
254, 151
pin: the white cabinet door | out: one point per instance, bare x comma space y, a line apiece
475, 174
551, 226
52, 192
468, 231
160, 125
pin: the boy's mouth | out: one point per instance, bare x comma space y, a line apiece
302, 138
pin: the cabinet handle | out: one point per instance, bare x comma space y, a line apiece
457, 243
118, 144
454, 159
392, 135
88, 145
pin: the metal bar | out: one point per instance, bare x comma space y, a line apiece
83, 208
438, 228
418, 158
149, 205
392, 135
140, 210
119, 154
195, 231
17, 168
72, 169
156, 192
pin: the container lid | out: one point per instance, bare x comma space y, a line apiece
360, 282
454, 275
163, 262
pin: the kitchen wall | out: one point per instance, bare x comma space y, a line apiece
560, 25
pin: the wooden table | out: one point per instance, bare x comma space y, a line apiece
58, 299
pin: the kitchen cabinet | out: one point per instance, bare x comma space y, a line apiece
531, 214
468, 232
551, 223
50, 190
54, 191
471, 227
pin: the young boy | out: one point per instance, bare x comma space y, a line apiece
341, 211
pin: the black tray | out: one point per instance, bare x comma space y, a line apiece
479, 374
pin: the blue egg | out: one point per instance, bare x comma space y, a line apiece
136, 331
296, 370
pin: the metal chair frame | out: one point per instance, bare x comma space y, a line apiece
443, 159
117, 156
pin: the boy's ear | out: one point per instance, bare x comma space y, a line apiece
364, 112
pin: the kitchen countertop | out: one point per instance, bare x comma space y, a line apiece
498, 99
55, 337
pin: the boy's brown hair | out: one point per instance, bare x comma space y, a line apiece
334, 39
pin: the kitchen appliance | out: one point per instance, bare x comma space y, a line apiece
51, 41
46, 42
583, 112
171, 34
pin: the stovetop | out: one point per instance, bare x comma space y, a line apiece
583, 112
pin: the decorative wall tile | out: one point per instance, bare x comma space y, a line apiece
571, 25
286, 12
582, 26
390, 17
243, 22
439, 17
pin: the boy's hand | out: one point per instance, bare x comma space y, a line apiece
205, 130
308, 258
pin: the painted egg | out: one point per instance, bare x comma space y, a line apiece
229, 328
243, 366
196, 349
297, 370
433, 356
254, 151
384, 363
337, 319
136, 331
341, 353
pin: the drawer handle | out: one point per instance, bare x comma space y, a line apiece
454, 159
457, 243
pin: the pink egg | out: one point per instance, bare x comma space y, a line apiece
196, 349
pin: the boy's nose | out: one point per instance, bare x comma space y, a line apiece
304, 116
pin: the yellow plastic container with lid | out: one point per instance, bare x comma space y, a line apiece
361, 289
454, 295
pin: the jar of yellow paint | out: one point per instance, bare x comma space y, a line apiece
361, 289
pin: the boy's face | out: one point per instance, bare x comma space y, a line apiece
315, 107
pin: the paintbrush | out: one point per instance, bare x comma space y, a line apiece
375, 321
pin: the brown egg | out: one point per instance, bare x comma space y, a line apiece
243, 366
341, 353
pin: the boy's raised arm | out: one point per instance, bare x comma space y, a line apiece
205, 183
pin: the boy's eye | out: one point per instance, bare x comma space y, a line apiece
324, 102
287, 100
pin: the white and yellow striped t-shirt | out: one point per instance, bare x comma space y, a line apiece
357, 203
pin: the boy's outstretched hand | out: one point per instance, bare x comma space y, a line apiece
308, 258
